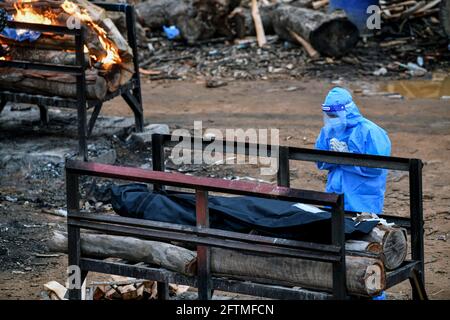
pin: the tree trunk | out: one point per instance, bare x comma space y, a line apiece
394, 244
157, 253
242, 21
196, 19
330, 34
51, 83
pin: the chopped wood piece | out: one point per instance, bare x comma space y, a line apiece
260, 35
306, 45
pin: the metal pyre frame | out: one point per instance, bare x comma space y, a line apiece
413, 269
130, 92
204, 237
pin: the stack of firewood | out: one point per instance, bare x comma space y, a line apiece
115, 288
124, 288
402, 9
107, 54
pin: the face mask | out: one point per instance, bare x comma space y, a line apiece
336, 122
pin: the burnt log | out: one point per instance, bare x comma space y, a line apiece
44, 56
242, 24
330, 34
51, 83
196, 19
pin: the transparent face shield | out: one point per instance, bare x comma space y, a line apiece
335, 118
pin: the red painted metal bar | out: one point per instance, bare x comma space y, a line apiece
262, 190
203, 252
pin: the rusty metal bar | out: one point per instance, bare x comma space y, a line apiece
304, 154
263, 190
416, 215
203, 252
207, 232
338, 239
73, 233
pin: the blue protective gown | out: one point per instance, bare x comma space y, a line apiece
363, 188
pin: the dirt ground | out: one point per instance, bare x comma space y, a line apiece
418, 128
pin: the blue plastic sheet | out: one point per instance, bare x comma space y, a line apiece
20, 34
171, 32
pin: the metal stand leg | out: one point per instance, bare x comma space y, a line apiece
73, 237
163, 290
136, 107
283, 177
417, 285
74, 247
205, 289
2, 104
338, 239
93, 118
417, 223
43, 110
134, 98
82, 134
81, 95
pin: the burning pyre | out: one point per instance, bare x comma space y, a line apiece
107, 52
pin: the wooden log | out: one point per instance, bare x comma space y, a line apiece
45, 42
363, 246
157, 253
365, 276
330, 34
394, 244
242, 23
157, 13
444, 15
320, 3
51, 83
45, 56
196, 19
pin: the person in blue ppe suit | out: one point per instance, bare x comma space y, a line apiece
346, 130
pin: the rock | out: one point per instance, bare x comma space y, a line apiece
10, 199
215, 83
108, 157
380, 72
145, 137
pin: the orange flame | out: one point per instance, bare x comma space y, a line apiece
112, 53
26, 13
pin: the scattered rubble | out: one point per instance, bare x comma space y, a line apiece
408, 32
144, 138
